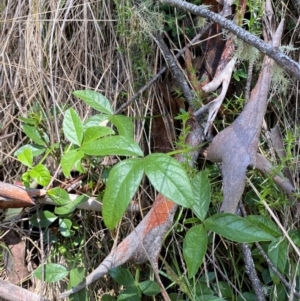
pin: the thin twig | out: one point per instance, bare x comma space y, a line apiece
269, 262
249, 80
7, 136
159, 74
251, 272
274, 269
226, 278
175, 69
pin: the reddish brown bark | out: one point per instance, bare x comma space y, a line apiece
12, 196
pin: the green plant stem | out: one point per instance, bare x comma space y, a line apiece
186, 150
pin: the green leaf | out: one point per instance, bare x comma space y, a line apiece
59, 196
176, 297
112, 145
123, 181
236, 228
247, 296
76, 276
26, 179
69, 159
96, 120
52, 272
31, 121
72, 127
36, 149
108, 297
41, 174
33, 133
95, 100
265, 223
71, 206
295, 236
149, 287
225, 289
65, 226
194, 248
122, 276
132, 293
278, 253
124, 125
168, 177
94, 132
278, 292
26, 157
46, 219
201, 192
202, 289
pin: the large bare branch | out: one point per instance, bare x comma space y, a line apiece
13, 292
236, 146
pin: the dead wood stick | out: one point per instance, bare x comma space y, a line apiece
14, 196
13, 292
7, 136
236, 146
251, 272
176, 71
91, 204
289, 286
265, 166
273, 52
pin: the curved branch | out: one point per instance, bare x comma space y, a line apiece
280, 58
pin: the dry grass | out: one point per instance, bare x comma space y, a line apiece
49, 49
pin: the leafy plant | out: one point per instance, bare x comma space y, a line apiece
133, 288
106, 134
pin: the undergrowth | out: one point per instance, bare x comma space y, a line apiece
52, 48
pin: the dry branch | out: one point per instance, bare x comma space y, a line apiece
236, 146
13, 292
280, 58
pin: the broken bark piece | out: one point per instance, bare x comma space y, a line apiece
12, 196
13, 292
265, 166
236, 146
15, 265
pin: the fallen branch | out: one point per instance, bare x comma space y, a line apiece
236, 146
251, 272
13, 292
91, 204
265, 166
13, 196
289, 65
